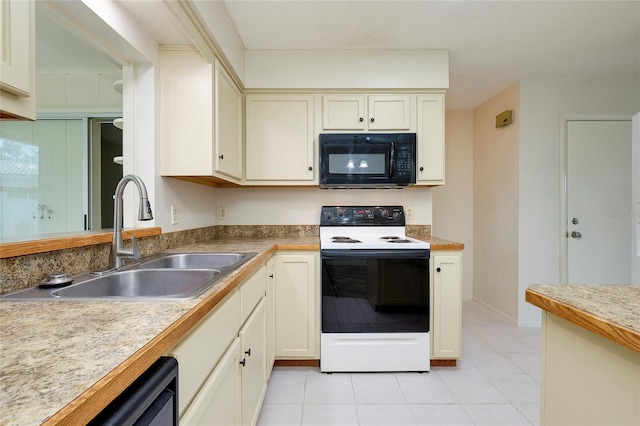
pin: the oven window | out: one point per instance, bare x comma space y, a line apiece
375, 295
357, 164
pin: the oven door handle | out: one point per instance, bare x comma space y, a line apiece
376, 254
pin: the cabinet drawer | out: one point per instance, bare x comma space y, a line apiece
200, 351
251, 292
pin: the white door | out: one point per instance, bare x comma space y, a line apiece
598, 202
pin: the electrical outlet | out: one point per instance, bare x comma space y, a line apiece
409, 212
174, 215
222, 213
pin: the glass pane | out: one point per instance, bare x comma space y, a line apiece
41, 178
357, 164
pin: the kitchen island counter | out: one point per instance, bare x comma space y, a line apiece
590, 353
610, 311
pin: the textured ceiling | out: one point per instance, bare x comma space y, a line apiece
491, 44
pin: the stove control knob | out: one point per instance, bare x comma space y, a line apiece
384, 212
340, 212
396, 215
329, 215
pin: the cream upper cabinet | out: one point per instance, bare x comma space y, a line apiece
446, 304
201, 116
18, 59
279, 140
373, 112
227, 124
430, 137
297, 301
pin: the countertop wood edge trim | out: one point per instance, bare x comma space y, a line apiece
22, 248
447, 247
616, 333
88, 404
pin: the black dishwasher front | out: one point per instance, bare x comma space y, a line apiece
152, 400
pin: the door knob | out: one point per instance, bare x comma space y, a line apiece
576, 234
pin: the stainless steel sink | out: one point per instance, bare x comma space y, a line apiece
169, 276
142, 284
196, 260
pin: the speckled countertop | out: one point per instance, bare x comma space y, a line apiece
611, 311
61, 362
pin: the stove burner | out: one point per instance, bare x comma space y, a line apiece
390, 237
400, 241
344, 240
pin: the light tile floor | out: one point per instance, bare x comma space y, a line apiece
497, 382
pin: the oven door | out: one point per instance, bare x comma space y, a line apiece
375, 291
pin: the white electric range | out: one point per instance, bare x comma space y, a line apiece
375, 291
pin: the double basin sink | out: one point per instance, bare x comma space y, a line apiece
160, 277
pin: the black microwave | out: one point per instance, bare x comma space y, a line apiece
367, 160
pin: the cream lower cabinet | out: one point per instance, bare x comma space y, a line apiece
222, 364
253, 338
446, 304
219, 400
279, 146
297, 299
271, 314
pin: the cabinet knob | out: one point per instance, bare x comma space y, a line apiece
372, 119
243, 362
438, 269
271, 276
421, 169
361, 119
248, 353
310, 168
221, 156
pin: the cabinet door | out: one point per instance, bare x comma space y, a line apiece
430, 139
253, 340
186, 110
18, 59
389, 112
219, 399
296, 306
271, 314
341, 112
199, 351
446, 305
228, 124
279, 139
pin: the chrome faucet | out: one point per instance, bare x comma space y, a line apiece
118, 254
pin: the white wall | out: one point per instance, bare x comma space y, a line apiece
495, 204
453, 202
301, 206
542, 102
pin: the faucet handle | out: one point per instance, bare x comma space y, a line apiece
134, 248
